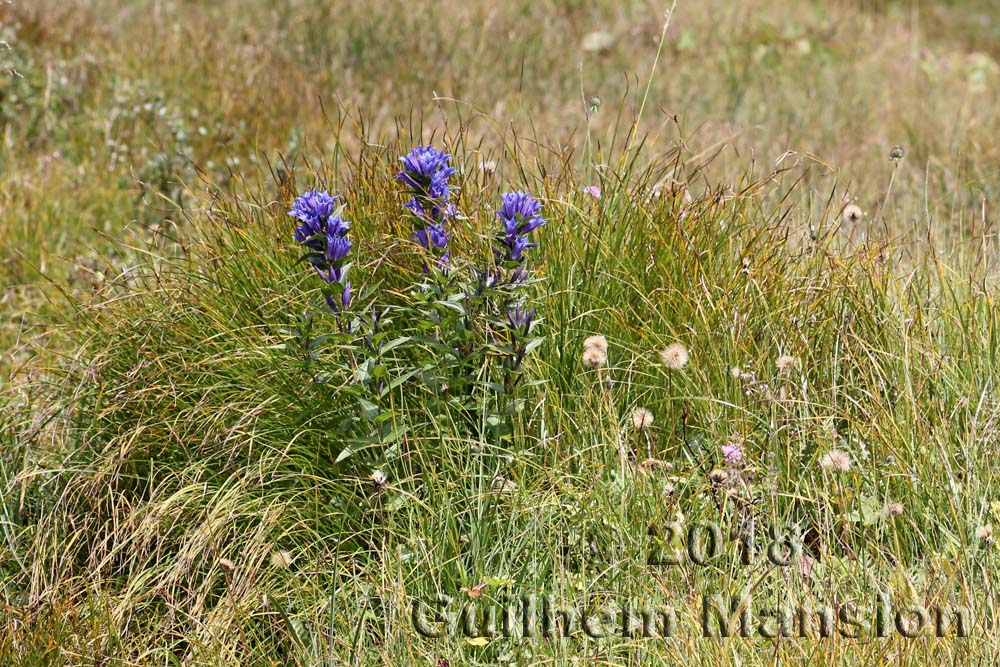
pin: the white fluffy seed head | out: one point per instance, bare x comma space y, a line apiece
785, 363
674, 356
642, 419
836, 460
281, 559
597, 342
594, 357
853, 214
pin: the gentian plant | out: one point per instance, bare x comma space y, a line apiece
456, 341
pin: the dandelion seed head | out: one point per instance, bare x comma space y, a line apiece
836, 460
853, 214
281, 559
785, 363
642, 419
674, 356
597, 342
893, 508
736, 372
594, 357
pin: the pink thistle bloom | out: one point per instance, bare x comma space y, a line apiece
733, 454
593, 191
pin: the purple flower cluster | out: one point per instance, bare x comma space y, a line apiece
520, 214
324, 233
426, 172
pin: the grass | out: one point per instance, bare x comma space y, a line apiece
172, 492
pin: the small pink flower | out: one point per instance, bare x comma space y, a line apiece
733, 454
593, 191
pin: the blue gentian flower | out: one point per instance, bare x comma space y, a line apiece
324, 232
520, 214
426, 172
520, 319
313, 209
432, 235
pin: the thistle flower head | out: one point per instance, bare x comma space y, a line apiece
674, 356
985, 532
732, 453
836, 460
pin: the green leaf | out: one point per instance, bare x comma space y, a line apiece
870, 510
368, 409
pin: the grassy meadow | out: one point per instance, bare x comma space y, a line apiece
761, 363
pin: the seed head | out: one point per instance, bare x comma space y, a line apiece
836, 461
718, 477
853, 214
501, 486
281, 559
642, 419
597, 341
675, 356
893, 508
785, 363
594, 357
